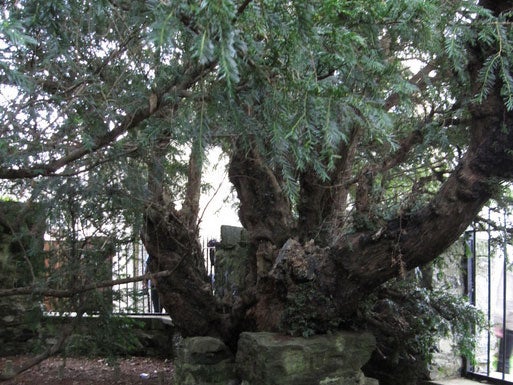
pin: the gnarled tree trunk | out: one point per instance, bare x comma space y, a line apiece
302, 266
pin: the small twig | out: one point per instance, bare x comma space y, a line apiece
243, 7
60, 293
211, 198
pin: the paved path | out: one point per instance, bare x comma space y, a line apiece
455, 381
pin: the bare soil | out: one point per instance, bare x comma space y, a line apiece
85, 371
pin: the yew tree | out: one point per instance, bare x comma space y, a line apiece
363, 138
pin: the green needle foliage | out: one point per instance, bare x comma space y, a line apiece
358, 111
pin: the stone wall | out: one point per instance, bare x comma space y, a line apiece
19, 323
24, 329
273, 359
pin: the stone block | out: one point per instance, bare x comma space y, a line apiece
231, 263
231, 236
19, 324
204, 361
203, 351
335, 359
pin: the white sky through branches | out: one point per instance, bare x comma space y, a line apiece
217, 205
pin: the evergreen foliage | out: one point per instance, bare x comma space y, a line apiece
359, 111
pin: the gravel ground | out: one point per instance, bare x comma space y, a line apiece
84, 371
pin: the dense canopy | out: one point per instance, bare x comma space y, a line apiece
363, 136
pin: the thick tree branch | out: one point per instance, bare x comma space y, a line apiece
358, 263
265, 210
190, 207
186, 294
372, 258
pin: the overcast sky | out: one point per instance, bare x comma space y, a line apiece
216, 209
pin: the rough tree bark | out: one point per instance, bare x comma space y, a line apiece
335, 270
171, 239
353, 265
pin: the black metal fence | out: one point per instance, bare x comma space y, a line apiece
136, 298
490, 288
133, 297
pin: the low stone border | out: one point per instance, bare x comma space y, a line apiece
273, 359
